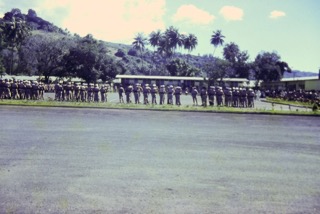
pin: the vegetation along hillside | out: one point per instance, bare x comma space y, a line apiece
30, 45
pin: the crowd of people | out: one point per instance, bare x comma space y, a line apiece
230, 97
305, 96
148, 94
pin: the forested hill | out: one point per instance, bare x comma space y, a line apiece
31, 45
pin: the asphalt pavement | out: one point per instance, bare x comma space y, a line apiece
58, 160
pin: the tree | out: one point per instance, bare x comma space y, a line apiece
268, 67
44, 52
174, 38
139, 44
154, 38
217, 39
178, 67
238, 60
13, 32
190, 43
217, 70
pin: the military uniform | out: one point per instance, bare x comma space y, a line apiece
68, 95
14, 90
103, 92
154, 91
28, 90
162, 92
170, 95
146, 92
211, 93
194, 94
204, 95
129, 90
96, 91
235, 97
7, 85
22, 90
177, 93
121, 91
77, 92
83, 92
137, 92
90, 92
219, 94
228, 97
251, 96
41, 91
243, 98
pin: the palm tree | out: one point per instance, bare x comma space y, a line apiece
154, 38
174, 38
139, 43
190, 43
217, 39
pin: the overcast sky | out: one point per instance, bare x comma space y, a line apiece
289, 27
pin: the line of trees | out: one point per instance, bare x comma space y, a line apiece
26, 50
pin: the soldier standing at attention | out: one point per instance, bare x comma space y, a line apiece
129, 90
177, 93
96, 91
82, 92
219, 96
235, 97
7, 85
103, 93
170, 95
162, 92
146, 92
22, 90
41, 91
76, 92
211, 93
14, 90
154, 91
121, 91
136, 93
28, 90
251, 96
90, 92
1, 88
228, 97
68, 89
203, 95
194, 94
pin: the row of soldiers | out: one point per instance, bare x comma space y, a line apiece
236, 97
81, 92
18, 89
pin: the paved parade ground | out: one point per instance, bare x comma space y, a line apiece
57, 160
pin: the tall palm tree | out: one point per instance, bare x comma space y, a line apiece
139, 43
190, 43
217, 39
174, 38
154, 38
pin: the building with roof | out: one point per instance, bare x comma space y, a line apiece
294, 83
179, 81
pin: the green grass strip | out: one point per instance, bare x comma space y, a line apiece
185, 108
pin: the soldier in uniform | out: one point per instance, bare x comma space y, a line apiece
177, 93
129, 90
121, 91
103, 92
22, 89
194, 94
68, 95
59, 91
28, 90
14, 90
35, 90
235, 97
1, 89
211, 93
41, 90
83, 92
243, 98
96, 91
136, 92
154, 91
77, 92
251, 96
146, 92
170, 95
162, 93
204, 95
228, 97
90, 92
219, 94
7, 85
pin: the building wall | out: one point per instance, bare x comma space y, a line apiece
312, 85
